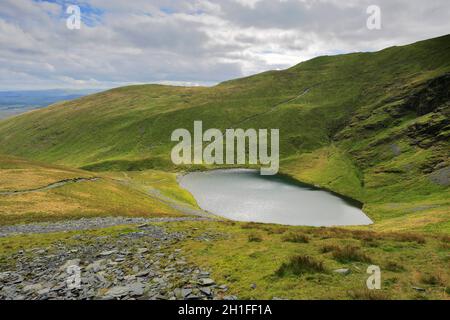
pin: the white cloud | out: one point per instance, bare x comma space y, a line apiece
193, 42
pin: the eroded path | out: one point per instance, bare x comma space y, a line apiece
272, 108
51, 186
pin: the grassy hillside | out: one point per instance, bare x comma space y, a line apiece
298, 263
23, 197
373, 126
259, 261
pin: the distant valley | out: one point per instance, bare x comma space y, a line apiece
17, 102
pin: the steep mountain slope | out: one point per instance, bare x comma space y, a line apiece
373, 126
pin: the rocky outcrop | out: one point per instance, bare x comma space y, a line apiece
441, 176
434, 94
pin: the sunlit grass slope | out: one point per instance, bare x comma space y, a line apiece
373, 126
101, 197
269, 261
21, 174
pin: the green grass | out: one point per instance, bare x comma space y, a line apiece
164, 182
370, 126
296, 270
296, 238
272, 267
299, 265
352, 131
349, 254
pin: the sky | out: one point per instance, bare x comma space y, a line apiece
194, 42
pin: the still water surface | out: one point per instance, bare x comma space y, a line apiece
245, 195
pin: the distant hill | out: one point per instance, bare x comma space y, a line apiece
373, 126
16, 102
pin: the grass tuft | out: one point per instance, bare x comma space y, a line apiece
408, 237
434, 279
329, 248
394, 267
254, 238
348, 254
366, 294
299, 265
296, 238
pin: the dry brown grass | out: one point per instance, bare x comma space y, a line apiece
252, 225
434, 279
407, 237
393, 266
349, 254
296, 238
370, 243
20, 174
368, 236
329, 248
253, 237
84, 199
366, 294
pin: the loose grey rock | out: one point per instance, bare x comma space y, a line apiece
143, 273
206, 291
107, 253
44, 291
206, 282
184, 293
70, 263
32, 288
96, 266
121, 273
136, 289
343, 271
204, 274
117, 292
441, 177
